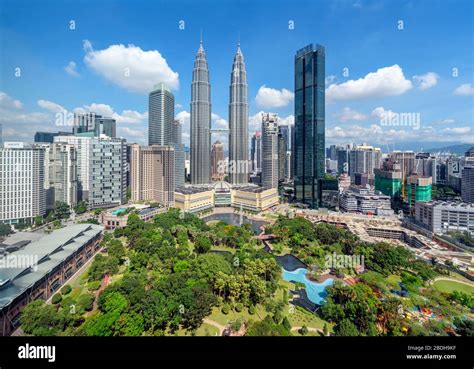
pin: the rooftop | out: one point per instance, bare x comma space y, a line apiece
21, 269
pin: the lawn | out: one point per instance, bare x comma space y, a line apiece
299, 317
204, 330
450, 286
218, 316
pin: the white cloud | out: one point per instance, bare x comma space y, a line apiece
464, 90
51, 106
427, 80
71, 69
130, 67
388, 81
271, 98
218, 121
382, 114
178, 106
381, 135
8, 102
347, 114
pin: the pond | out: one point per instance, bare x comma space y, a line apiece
234, 219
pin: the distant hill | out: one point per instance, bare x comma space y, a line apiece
454, 149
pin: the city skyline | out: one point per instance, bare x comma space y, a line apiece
357, 100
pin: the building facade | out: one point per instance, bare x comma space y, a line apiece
270, 151
309, 130
443, 217
217, 162
467, 184
200, 120
22, 193
160, 115
108, 172
152, 174
238, 122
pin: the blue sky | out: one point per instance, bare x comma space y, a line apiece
390, 70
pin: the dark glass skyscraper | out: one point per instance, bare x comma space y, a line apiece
308, 143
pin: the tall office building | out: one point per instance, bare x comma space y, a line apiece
94, 124
269, 151
309, 131
238, 121
217, 161
84, 153
200, 120
1, 135
160, 115
152, 174
60, 181
177, 143
256, 152
22, 195
467, 184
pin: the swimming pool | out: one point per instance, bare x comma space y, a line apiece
316, 292
118, 211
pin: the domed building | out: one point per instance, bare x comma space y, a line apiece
222, 193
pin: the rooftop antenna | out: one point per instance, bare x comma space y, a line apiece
201, 38
238, 39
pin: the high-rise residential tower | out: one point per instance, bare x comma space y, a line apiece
238, 121
200, 120
217, 161
309, 139
269, 151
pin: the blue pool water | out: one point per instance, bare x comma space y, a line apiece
316, 292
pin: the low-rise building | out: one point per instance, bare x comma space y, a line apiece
365, 200
254, 199
39, 269
118, 218
443, 217
194, 199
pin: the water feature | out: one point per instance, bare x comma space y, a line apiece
236, 220
316, 292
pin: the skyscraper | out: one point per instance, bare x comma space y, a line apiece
238, 121
160, 115
308, 143
283, 144
217, 160
200, 120
269, 151
467, 184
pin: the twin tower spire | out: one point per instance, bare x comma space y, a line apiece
201, 120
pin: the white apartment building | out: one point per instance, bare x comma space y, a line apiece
22, 195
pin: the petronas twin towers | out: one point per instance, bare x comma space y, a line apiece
201, 121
